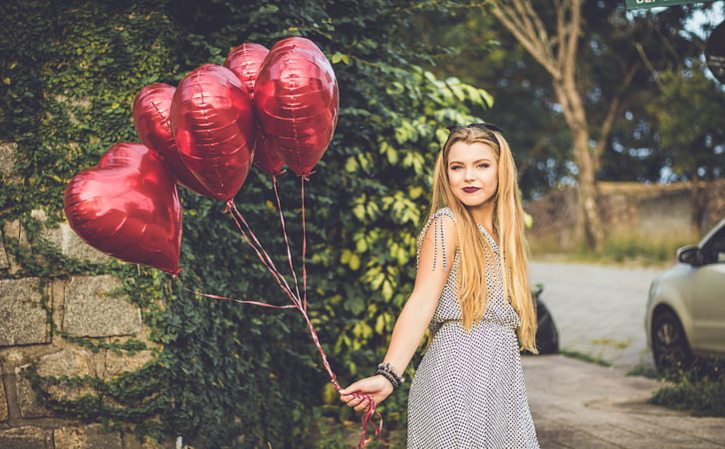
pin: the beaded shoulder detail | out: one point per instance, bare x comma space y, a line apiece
438, 236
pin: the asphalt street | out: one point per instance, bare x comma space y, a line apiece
598, 310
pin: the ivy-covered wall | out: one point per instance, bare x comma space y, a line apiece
218, 374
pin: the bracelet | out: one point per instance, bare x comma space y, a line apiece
390, 378
387, 371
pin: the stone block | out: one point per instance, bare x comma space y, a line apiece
130, 441
7, 157
68, 362
117, 364
26, 437
75, 247
86, 437
23, 320
4, 263
12, 229
92, 309
30, 406
3, 404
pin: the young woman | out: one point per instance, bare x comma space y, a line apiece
472, 291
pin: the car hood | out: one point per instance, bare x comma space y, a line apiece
675, 272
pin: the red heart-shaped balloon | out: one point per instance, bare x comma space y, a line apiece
128, 206
214, 127
245, 61
297, 102
151, 116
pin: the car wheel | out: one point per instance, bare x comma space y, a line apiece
669, 344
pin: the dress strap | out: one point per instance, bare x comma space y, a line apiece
438, 236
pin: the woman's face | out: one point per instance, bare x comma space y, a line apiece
473, 173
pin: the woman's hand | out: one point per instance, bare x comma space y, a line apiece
376, 386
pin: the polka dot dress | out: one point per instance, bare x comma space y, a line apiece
468, 391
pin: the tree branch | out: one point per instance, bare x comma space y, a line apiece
534, 46
572, 42
615, 109
650, 67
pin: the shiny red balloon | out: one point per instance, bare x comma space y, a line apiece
151, 116
297, 102
265, 155
214, 127
245, 61
128, 206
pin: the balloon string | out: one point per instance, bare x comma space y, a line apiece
254, 237
264, 258
284, 232
224, 298
302, 307
369, 411
304, 241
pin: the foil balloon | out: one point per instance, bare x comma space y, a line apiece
265, 155
151, 116
212, 119
297, 102
128, 206
245, 61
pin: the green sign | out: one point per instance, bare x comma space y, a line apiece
642, 4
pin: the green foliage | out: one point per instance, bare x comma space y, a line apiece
232, 375
700, 388
695, 144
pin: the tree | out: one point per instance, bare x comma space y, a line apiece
594, 93
558, 56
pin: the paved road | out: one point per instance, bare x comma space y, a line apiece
581, 405
599, 310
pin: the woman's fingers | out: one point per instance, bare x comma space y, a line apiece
363, 405
358, 402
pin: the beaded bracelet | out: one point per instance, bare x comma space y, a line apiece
390, 378
386, 370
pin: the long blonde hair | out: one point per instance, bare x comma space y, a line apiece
508, 224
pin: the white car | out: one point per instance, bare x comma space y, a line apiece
686, 307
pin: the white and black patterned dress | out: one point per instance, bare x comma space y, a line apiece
468, 391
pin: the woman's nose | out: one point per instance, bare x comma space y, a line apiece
469, 173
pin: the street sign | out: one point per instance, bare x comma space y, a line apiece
715, 52
643, 4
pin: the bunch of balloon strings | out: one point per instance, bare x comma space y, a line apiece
299, 301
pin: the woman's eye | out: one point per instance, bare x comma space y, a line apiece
455, 168
484, 165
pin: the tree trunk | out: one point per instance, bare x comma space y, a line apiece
588, 194
586, 161
558, 56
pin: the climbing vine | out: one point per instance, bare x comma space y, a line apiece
230, 375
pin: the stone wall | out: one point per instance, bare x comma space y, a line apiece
37, 318
651, 213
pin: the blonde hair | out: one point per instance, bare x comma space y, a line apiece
508, 224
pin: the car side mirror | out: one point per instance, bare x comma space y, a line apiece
690, 255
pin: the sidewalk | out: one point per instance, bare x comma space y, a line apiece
582, 405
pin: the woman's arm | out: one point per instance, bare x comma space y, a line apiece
418, 310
